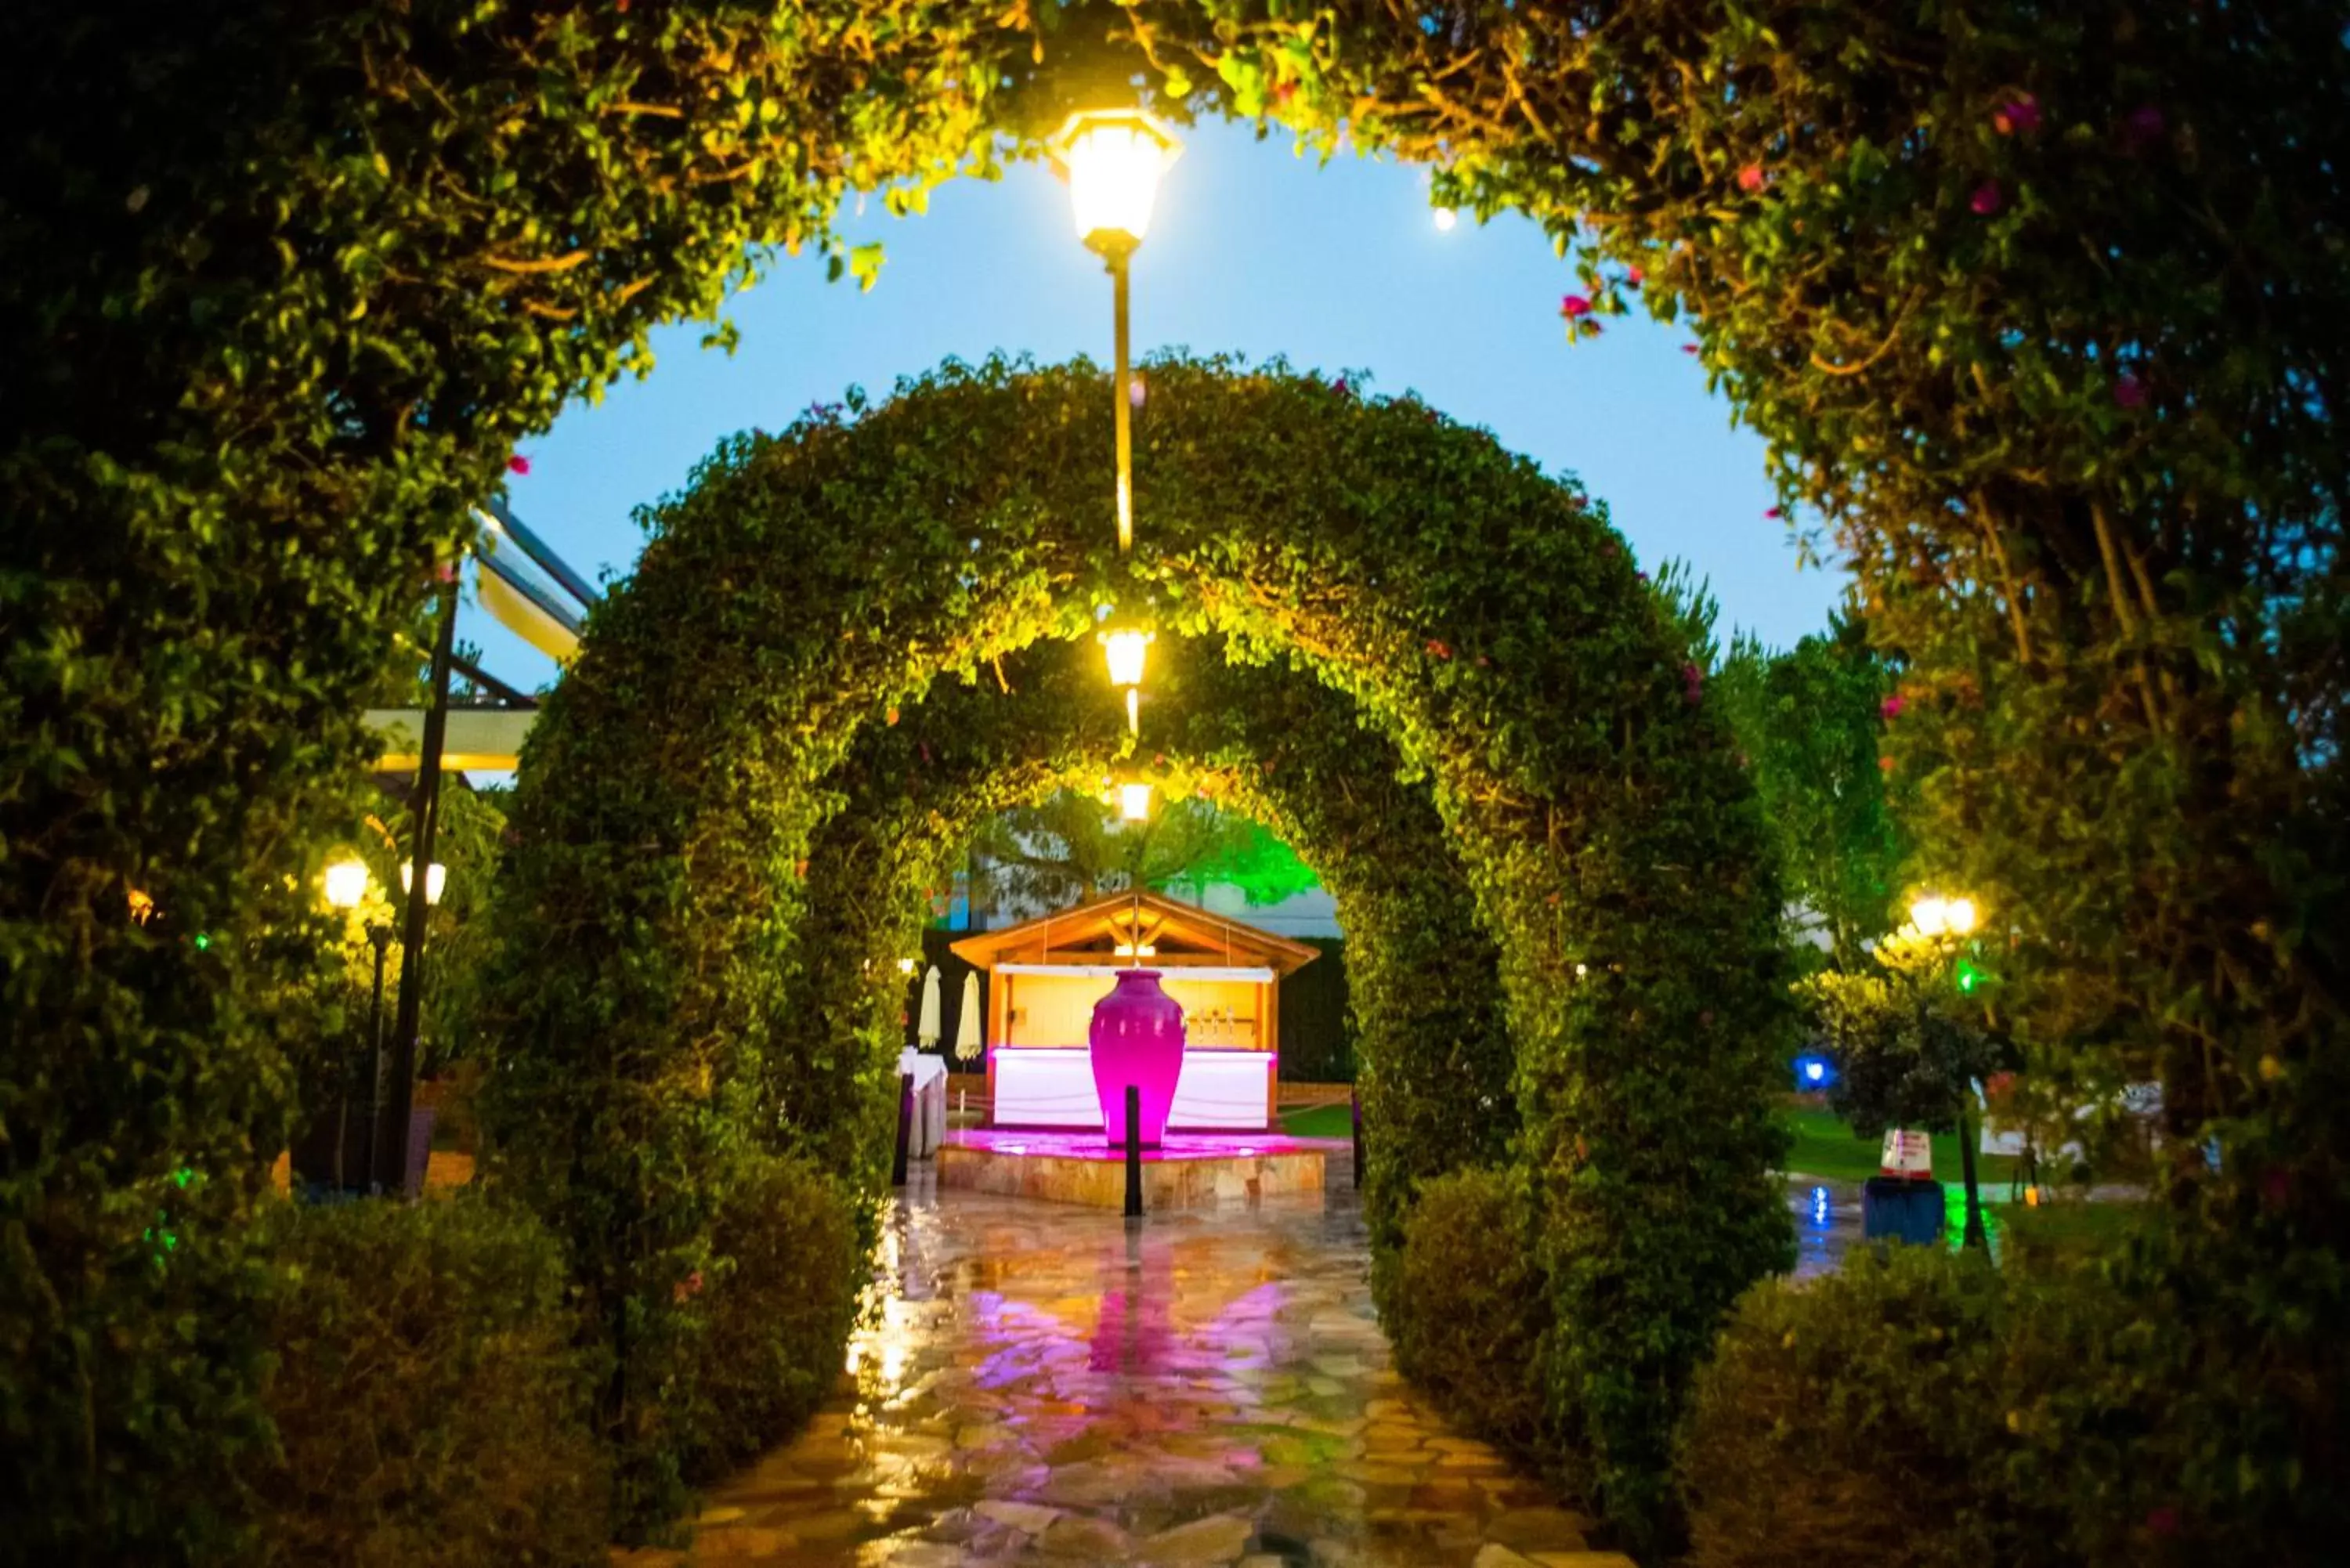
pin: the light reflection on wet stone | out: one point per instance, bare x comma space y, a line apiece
1039, 1385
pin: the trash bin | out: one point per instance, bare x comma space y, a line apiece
1901, 1208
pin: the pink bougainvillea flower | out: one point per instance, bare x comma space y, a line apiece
1137, 391
1635, 277
2163, 1521
1891, 707
1575, 305
518, 465
1341, 388
1774, 513
2143, 125
2129, 391
1439, 649
1689, 348
1749, 179
2021, 118
1986, 200
1884, 765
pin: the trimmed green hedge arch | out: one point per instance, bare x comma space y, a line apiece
1268, 739
1482, 617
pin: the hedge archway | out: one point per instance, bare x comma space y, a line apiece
1483, 616
1269, 740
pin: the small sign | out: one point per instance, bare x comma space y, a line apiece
1908, 1153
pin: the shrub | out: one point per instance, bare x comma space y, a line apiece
781, 1303
1853, 1418
430, 1405
1467, 1308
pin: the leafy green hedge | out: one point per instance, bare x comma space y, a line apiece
1924, 1409
1468, 1314
296, 282
695, 970
774, 1310
432, 1409
1857, 1418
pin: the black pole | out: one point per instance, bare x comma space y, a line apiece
379, 937
905, 1129
426, 812
1121, 391
1355, 1103
1133, 1152
1974, 1235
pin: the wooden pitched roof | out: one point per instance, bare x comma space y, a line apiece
1180, 935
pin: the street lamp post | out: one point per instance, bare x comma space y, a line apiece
1936, 918
1113, 158
379, 936
425, 812
347, 885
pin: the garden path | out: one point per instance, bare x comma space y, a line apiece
1042, 1385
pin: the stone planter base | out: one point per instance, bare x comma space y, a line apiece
1076, 1167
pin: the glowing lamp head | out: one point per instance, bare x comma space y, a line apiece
1816, 1071
1934, 916
347, 882
1113, 158
1134, 802
1128, 652
436, 878
905, 966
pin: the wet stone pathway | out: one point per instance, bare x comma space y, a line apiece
1039, 1385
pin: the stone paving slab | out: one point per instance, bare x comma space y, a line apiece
1038, 1384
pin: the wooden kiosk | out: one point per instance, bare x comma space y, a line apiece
1046, 974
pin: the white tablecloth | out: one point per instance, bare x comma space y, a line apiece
929, 1075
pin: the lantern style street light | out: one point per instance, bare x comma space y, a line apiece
1128, 651
1935, 915
435, 879
346, 887
1134, 802
1936, 919
347, 882
1113, 158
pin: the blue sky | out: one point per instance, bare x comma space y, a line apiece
1252, 250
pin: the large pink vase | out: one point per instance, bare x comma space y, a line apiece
1137, 1038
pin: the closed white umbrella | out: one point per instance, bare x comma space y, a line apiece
927, 1031
967, 1030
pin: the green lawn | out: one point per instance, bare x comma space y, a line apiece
2073, 1229
1319, 1121
1826, 1148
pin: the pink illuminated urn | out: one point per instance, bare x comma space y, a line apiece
1137, 1038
